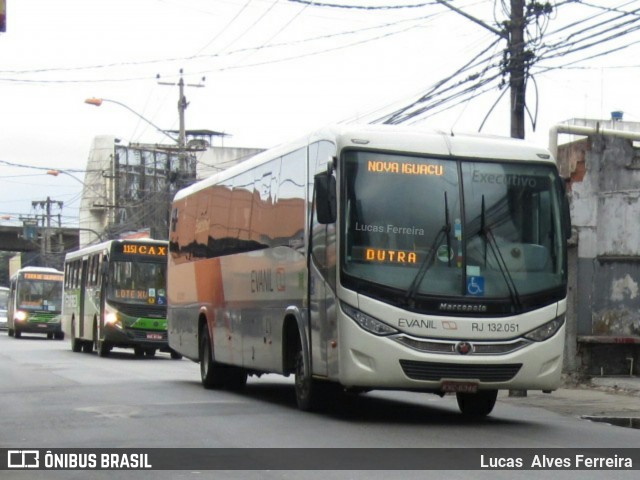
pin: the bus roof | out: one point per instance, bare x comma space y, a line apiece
107, 244
39, 269
397, 139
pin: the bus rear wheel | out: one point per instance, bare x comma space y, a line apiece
476, 405
209, 369
214, 374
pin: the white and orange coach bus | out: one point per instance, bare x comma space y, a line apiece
375, 257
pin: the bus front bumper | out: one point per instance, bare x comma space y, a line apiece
130, 338
378, 362
38, 327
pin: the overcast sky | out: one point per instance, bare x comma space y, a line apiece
276, 69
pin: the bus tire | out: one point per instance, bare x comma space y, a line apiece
17, 333
476, 405
209, 369
10, 332
104, 349
138, 351
310, 393
87, 347
58, 335
76, 344
102, 346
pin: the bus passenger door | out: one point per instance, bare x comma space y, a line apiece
83, 288
322, 276
322, 304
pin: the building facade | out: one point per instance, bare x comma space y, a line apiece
129, 189
602, 168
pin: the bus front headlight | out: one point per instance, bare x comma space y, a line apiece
20, 316
367, 322
546, 331
111, 318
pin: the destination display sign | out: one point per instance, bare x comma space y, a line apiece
143, 250
43, 276
383, 255
404, 168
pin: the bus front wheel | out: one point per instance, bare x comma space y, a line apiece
479, 404
76, 344
102, 346
311, 394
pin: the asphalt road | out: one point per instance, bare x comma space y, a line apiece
51, 397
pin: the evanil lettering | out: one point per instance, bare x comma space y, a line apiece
379, 166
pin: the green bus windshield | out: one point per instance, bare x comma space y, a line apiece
138, 283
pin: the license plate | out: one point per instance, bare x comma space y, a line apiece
154, 336
459, 387
42, 325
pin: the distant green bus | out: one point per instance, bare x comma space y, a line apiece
35, 301
115, 296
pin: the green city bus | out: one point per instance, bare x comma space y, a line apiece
115, 296
35, 300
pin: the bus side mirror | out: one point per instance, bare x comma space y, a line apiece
325, 193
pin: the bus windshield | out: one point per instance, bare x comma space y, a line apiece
40, 295
450, 228
138, 283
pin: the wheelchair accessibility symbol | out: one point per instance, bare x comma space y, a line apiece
475, 285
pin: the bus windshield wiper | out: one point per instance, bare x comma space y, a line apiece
426, 263
490, 240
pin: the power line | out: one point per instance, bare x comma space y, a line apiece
440, 97
312, 3
263, 46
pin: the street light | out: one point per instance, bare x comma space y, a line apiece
98, 101
55, 173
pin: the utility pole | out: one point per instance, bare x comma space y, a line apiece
516, 68
183, 170
516, 61
45, 246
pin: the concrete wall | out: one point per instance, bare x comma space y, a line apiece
604, 185
215, 159
97, 192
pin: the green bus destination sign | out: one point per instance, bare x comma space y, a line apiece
144, 250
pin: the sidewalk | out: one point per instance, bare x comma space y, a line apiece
598, 397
